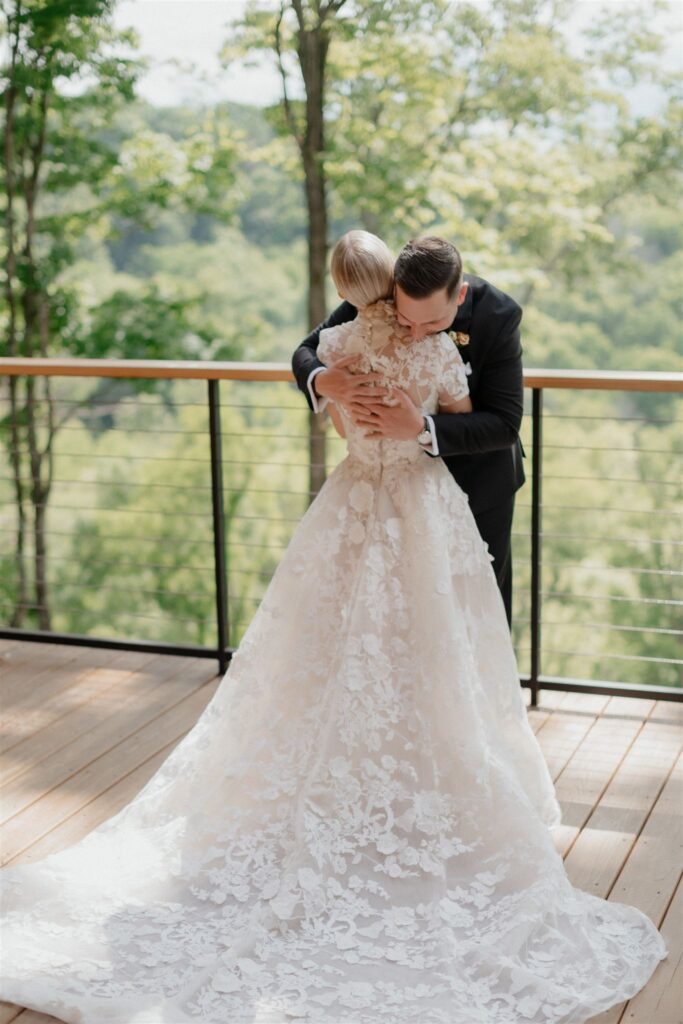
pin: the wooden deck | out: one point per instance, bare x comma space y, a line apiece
83, 730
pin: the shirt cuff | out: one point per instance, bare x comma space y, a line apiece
317, 401
433, 448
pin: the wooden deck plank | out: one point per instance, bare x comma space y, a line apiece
14, 652
560, 737
607, 837
9, 1012
583, 780
537, 717
28, 720
102, 807
583, 703
670, 710
630, 707
100, 695
118, 713
101, 772
650, 876
20, 672
33, 1017
660, 1001
653, 868
22, 698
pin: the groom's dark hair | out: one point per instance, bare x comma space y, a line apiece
426, 265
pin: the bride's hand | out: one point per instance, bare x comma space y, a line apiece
340, 384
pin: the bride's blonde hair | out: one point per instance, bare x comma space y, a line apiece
362, 268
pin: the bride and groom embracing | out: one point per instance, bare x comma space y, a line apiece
358, 828
432, 294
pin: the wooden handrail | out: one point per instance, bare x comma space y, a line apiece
161, 369
600, 380
604, 380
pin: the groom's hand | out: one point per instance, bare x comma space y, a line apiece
340, 384
401, 422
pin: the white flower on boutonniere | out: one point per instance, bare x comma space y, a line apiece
459, 338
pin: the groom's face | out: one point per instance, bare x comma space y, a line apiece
425, 316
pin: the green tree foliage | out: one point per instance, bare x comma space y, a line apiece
67, 171
477, 120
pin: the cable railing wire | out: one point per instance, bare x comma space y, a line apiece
252, 433
110, 613
111, 403
612, 597
155, 402
612, 568
519, 589
611, 449
116, 483
140, 567
106, 588
602, 508
657, 541
318, 465
613, 479
179, 458
173, 487
609, 626
600, 656
158, 512
601, 416
123, 537
225, 433
26, 481
295, 519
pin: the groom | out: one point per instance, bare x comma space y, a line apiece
482, 448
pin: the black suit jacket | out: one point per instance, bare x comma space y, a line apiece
481, 449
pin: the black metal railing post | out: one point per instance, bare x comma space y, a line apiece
219, 558
536, 475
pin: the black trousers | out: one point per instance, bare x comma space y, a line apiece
495, 527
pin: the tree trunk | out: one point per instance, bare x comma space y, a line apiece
312, 50
317, 260
36, 342
21, 601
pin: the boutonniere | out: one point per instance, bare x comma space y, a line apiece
459, 338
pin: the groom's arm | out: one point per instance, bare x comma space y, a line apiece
498, 406
305, 363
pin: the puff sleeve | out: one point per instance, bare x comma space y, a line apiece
452, 382
338, 341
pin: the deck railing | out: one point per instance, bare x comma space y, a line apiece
225, 440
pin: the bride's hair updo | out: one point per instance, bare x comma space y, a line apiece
362, 268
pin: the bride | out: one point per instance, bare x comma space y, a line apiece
358, 827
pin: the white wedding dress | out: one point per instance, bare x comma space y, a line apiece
356, 830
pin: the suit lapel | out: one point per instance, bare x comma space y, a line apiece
462, 323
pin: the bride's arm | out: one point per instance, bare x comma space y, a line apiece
453, 388
459, 405
336, 419
305, 361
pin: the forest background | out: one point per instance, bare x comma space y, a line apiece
200, 230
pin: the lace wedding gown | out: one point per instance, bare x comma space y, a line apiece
357, 828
